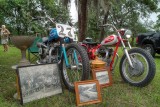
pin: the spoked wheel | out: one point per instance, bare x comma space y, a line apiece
78, 68
143, 70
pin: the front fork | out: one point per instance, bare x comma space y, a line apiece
128, 57
65, 55
66, 58
125, 50
127, 54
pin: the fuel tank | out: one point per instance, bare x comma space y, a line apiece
110, 40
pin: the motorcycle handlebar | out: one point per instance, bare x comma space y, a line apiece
105, 25
40, 18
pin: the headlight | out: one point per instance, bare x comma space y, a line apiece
128, 33
128, 36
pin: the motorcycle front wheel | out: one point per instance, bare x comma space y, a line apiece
76, 71
143, 70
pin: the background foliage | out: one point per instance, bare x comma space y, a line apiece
131, 14
17, 15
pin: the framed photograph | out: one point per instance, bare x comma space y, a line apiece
103, 75
38, 81
87, 92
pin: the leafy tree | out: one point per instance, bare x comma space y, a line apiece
82, 6
157, 25
18, 14
128, 13
124, 13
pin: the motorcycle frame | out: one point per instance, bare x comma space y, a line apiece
63, 52
117, 45
62, 47
115, 51
91, 50
120, 41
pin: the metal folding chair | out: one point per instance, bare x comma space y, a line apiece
33, 50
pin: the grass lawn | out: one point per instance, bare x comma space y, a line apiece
119, 94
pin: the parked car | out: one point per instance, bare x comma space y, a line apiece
149, 41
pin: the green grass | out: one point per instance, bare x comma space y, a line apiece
119, 94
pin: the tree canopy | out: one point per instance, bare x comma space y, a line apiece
123, 14
18, 15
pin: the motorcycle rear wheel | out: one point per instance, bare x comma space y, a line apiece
144, 68
75, 72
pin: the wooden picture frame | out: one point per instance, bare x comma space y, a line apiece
103, 75
38, 81
87, 92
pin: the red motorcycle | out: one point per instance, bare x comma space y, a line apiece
137, 67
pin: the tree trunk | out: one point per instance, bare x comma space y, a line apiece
106, 6
102, 29
82, 19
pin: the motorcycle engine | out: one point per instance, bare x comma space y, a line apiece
47, 54
43, 53
105, 54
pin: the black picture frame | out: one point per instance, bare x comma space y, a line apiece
38, 81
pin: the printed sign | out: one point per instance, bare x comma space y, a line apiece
66, 31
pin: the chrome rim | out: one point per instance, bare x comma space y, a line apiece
140, 70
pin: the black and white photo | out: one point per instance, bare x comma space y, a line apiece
38, 81
103, 75
87, 92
